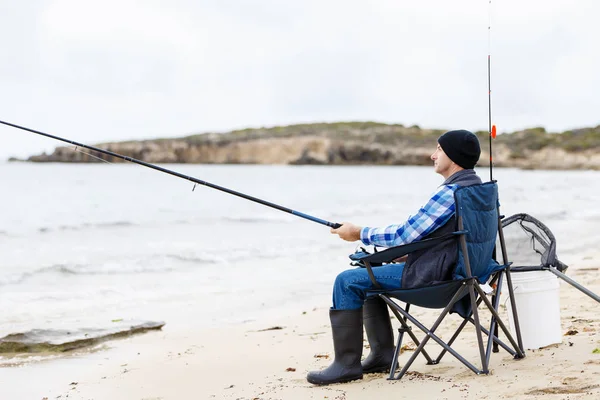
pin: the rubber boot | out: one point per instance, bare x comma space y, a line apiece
380, 335
347, 332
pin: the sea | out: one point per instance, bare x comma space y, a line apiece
96, 247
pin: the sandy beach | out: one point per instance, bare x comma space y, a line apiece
268, 359
230, 334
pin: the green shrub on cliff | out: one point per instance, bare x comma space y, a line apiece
518, 142
538, 138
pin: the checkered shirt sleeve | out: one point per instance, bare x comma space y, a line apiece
438, 210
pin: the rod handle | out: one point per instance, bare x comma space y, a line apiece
335, 225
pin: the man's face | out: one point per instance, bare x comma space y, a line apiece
441, 162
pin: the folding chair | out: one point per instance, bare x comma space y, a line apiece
478, 222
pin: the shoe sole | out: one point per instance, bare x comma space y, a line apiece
377, 370
322, 383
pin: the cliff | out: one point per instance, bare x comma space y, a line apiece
348, 143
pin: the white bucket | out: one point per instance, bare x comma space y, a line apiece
538, 307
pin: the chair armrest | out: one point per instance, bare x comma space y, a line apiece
392, 253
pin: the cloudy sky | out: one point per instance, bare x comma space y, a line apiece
95, 71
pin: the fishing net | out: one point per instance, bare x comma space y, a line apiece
530, 244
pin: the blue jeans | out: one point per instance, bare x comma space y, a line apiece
350, 287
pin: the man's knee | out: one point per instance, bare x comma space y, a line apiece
346, 278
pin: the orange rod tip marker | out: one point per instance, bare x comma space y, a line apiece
493, 134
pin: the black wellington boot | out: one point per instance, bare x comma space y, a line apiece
347, 332
380, 335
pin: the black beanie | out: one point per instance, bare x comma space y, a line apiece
462, 147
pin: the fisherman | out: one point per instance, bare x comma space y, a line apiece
455, 157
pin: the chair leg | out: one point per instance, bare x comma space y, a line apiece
517, 347
511, 292
497, 343
472, 286
452, 339
513, 304
404, 328
496, 340
496, 294
431, 335
397, 351
492, 345
396, 309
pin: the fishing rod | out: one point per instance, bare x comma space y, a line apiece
179, 175
491, 128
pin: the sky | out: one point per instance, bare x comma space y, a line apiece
118, 70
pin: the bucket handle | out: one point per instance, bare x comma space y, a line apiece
508, 297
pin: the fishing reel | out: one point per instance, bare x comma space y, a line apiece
359, 253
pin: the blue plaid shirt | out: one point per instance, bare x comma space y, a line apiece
438, 210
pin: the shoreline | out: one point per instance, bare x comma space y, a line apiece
543, 166
269, 358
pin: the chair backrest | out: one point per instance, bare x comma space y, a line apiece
477, 211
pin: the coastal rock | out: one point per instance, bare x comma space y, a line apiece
349, 143
57, 341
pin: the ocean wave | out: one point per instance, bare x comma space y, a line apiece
88, 225
552, 216
194, 259
98, 225
144, 265
158, 263
13, 279
254, 220
109, 268
59, 341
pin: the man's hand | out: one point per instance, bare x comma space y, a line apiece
348, 231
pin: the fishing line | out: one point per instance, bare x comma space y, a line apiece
76, 149
182, 176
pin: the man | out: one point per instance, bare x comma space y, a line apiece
455, 157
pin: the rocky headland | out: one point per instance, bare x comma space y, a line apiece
348, 143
